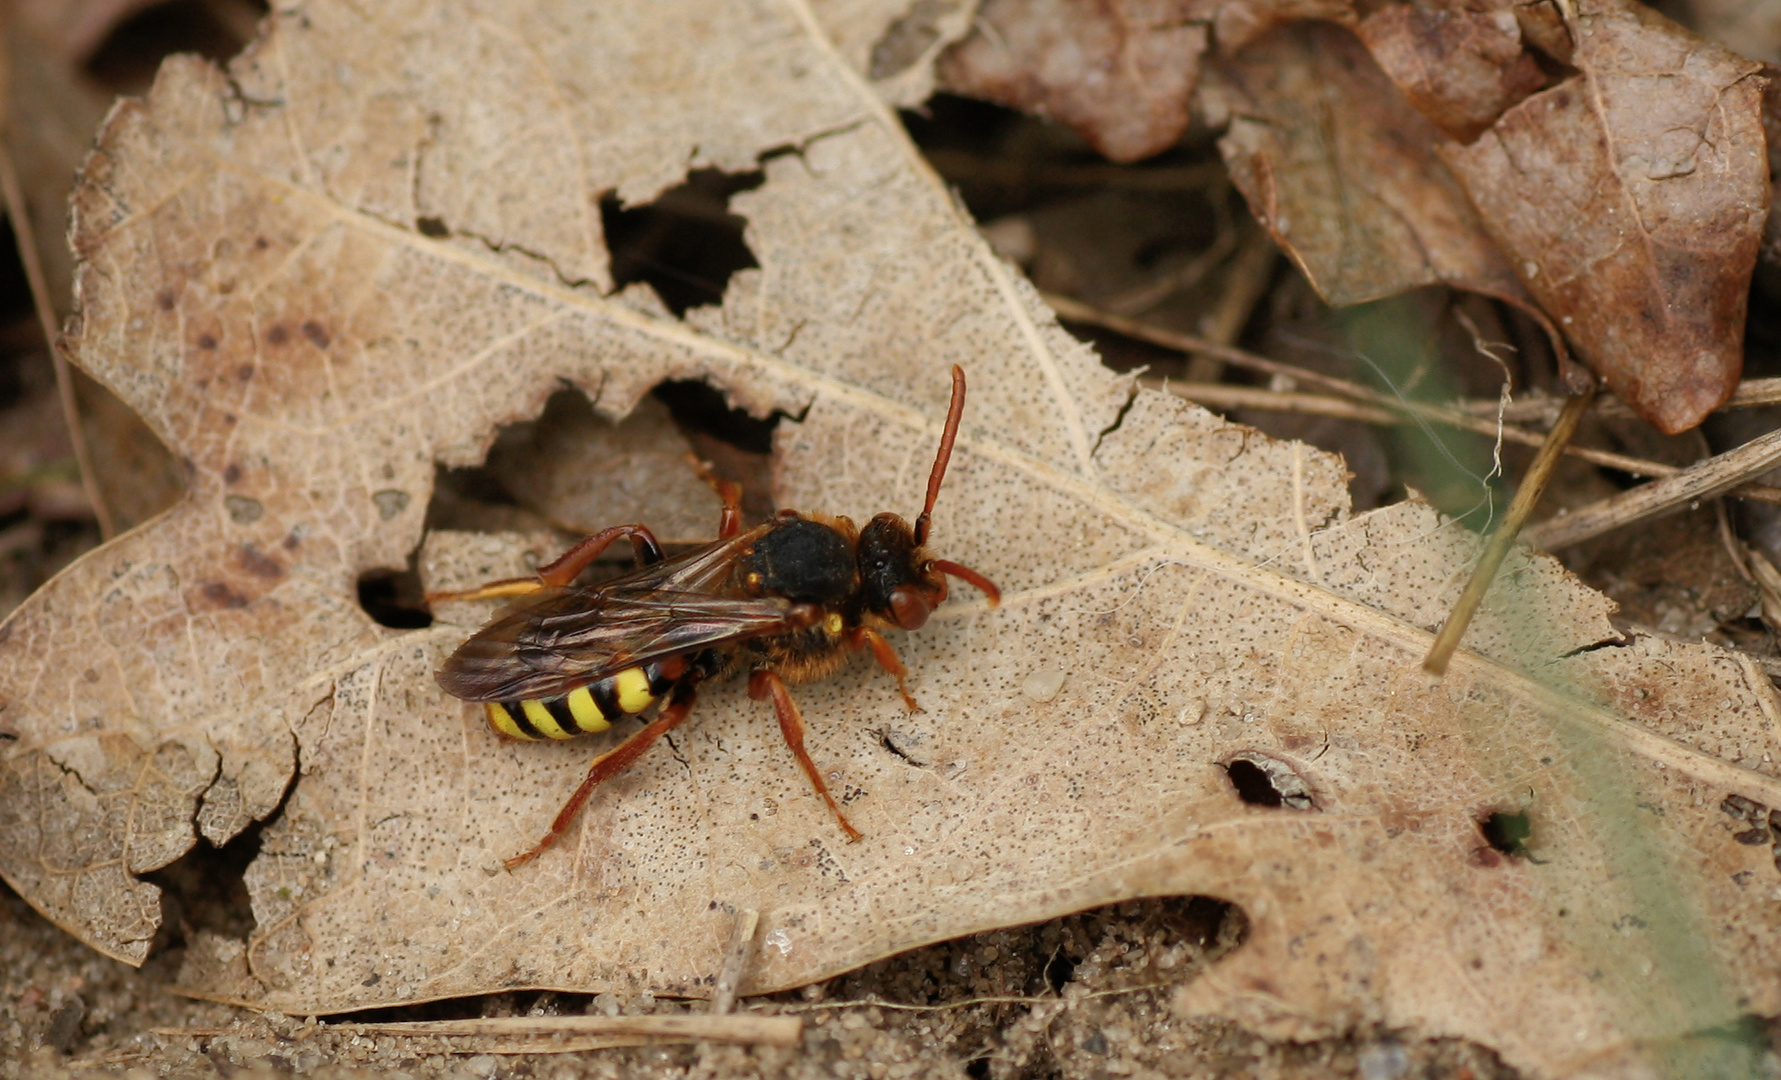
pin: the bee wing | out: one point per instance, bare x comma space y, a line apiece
557, 640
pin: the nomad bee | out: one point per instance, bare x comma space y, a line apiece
787, 601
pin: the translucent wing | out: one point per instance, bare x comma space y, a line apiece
559, 639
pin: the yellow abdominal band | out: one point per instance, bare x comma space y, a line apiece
581, 711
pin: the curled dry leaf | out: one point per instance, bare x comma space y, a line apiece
1630, 199
1343, 172
316, 282
1120, 73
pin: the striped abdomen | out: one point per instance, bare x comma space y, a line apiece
587, 709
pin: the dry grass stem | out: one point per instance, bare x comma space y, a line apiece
1245, 285
1702, 480
637, 1030
1076, 311
1533, 485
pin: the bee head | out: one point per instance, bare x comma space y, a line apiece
899, 583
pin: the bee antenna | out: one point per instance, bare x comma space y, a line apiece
947, 435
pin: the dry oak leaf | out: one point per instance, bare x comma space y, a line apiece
1179, 590
1625, 203
1121, 74
1343, 172
1630, 199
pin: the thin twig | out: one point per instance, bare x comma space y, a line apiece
746, 1028
1533, 485
26, 239
1224, 395
1702, 480
877, 1003
1750, 394
1228, 396
1245, 284
736, 957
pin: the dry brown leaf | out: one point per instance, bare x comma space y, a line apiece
1343, 172
1179, 591
1459, 68
1119, 73
1631, 199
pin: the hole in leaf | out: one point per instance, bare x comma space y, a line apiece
686, 243
977, 1068
394, 598
700, 409
206, 890
1264, 781
1507, 833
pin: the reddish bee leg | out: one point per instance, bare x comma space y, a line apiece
730, 523
610, 764
862, 636
566, 568
505, 587
571, 563
766, 683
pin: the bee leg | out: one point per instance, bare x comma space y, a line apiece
862, 636
571, 563
566, 568
730, 523
610, 764
766, 683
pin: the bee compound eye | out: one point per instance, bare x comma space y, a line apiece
910, 608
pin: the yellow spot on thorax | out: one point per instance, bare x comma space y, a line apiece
833, 624
633, 690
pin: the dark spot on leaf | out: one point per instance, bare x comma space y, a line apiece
372, 980
244, 372
229, 418
390, 503
316, 333
261, 566
164, 299
291, 541
219, 595
207, 341
1752, 837
231, 473
279, 334
261, 243
432, 226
